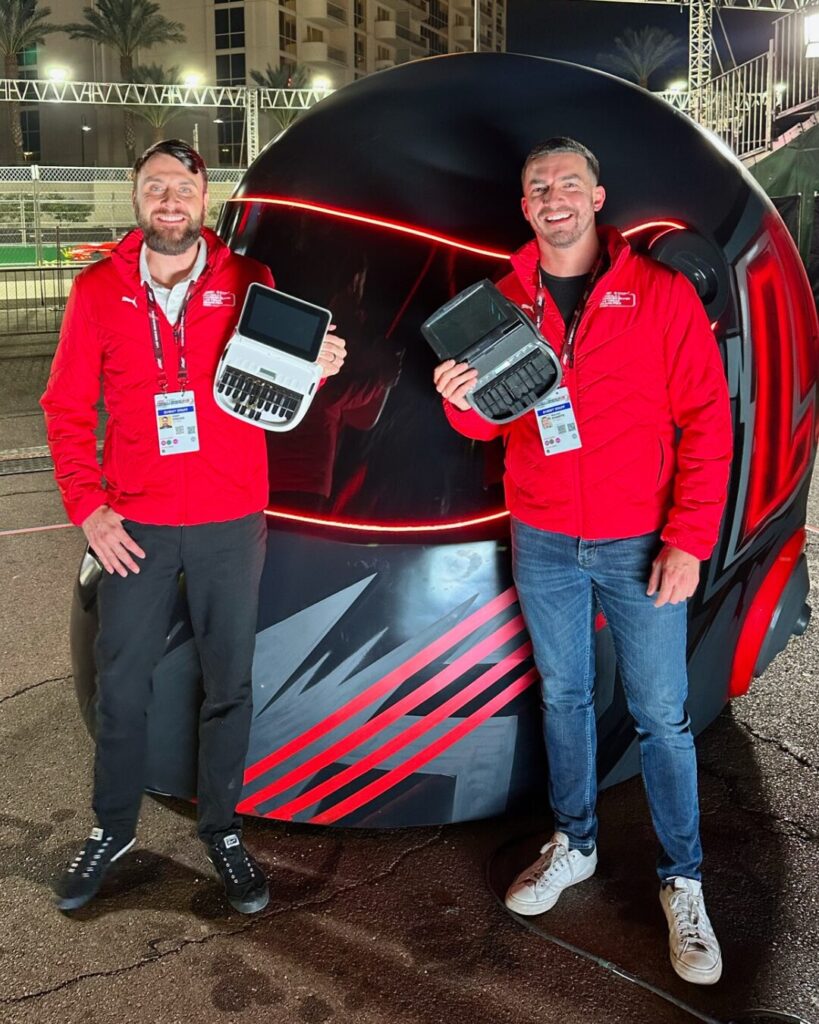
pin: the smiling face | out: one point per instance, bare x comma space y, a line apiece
560, 199
169, 204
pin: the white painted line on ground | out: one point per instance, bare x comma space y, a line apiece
34, 529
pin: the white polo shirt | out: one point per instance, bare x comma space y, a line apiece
170, 300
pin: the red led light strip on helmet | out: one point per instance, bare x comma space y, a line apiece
339, 524
408, 229
379, 222
663, 226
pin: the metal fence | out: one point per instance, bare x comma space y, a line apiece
739, 105
51, 216
795, 74
743, 105
53, 222
32, 300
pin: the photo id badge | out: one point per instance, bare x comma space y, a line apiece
176, 423
557, 424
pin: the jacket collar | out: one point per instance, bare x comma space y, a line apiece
125, 257
525, 260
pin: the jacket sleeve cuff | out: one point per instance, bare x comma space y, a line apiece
80, 510
685, 542
470, 424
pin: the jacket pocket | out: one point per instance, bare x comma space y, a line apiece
665, 469
125, 466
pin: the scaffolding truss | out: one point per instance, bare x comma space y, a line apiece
135, 95
740, 105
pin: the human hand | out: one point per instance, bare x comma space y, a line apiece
453, 381
112, 543
674, 576
332, 353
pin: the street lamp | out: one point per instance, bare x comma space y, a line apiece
321, 83
192, 79
57, 73
84, 129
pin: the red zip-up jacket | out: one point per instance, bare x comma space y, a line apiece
106, 335
651, 401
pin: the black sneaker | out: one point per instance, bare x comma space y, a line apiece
245, 883
82, 878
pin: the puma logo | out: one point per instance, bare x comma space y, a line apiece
129, 298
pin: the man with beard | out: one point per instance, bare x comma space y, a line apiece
151, 322
616, 500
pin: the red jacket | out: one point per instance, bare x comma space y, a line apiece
105, 334
650, 396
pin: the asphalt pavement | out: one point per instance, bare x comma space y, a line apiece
369, 927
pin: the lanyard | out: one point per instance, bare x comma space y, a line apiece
178, 337
567, 352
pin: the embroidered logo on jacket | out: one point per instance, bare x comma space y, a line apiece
218, 299
128, 298
618, 300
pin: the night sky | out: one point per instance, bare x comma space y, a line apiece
578, 30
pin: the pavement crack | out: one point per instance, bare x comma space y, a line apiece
33, 686
771, 822
779, 744
255, 922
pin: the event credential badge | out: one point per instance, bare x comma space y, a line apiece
557, 423
176, 423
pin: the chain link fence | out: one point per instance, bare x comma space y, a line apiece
53, 222
51, 216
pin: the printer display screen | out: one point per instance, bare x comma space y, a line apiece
283, 322
461, 324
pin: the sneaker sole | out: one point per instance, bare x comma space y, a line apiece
75, 902
529, 909
245, 906
251, 906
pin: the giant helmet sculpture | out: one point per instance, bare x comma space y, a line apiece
393, 681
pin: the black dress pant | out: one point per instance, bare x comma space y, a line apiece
222, 563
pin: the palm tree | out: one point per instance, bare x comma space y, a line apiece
282, 78
157, 115
126, 26
23, 25
639, 54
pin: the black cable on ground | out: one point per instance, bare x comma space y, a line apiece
755, 1016
762, 1015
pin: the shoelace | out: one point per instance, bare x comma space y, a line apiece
690, 920
553, 856
241, 869
90, 853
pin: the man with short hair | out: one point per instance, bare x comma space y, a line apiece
151, 321
618, 502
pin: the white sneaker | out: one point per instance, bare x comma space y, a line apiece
693, 947
537, 889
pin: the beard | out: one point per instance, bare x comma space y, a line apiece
170, 241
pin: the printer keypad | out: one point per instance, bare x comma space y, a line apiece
253, 397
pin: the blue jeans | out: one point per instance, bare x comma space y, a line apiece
557, 578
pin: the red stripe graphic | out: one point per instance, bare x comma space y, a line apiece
392, 778
384, 685
424, 724
360, 735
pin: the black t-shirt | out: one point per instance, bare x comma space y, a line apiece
566, 292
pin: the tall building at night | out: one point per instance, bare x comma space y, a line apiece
335, 40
